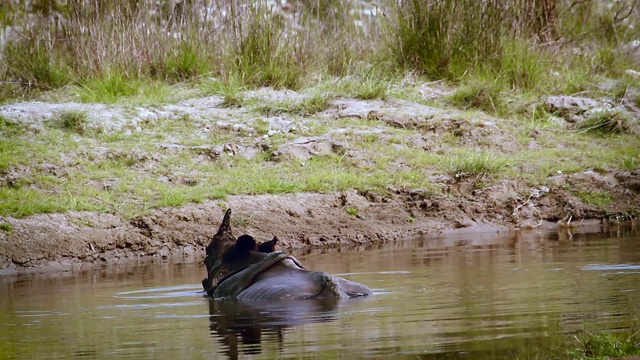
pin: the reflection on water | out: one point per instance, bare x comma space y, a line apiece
472, 296
242, 324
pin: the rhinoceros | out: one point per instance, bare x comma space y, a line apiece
242, 269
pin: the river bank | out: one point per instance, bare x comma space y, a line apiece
127, 182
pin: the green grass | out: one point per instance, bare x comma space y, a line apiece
630, 162
472, 163
365, 87
309, 105
605, 122
230, 88
126, 173
10, 128
524, 66
479, 93
72, 120
131, 45
595, 197
184, 62
604, 345
30, 66
497, 58
6, 226
110, 88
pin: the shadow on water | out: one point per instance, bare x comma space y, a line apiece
240, 326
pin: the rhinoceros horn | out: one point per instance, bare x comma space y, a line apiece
219, 242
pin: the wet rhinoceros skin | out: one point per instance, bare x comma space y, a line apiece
280, 276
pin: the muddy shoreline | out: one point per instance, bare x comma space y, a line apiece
78, 241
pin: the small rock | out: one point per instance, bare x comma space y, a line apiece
632, 73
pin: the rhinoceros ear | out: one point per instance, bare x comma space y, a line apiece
268, 246
245, 243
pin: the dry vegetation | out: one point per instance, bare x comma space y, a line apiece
112, 49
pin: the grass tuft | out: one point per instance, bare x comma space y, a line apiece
73, 121
109, 88
184, 62
29, 64
473, 163
230, 89
369, 87
479, 93
630, 163
6, 226
524, 66
266, 55
310, 105
605, 345
605, 122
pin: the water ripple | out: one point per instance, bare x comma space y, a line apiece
607, 267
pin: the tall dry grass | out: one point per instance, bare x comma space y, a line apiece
50, 44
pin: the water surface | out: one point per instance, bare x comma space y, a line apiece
471, 296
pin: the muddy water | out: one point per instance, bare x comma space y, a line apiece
473, 296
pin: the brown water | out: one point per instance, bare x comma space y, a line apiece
474, 296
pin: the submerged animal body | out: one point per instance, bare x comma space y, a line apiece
242, 269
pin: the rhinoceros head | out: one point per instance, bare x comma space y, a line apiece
226, 255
